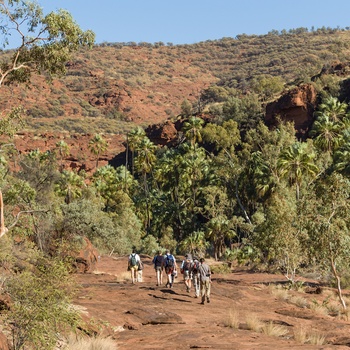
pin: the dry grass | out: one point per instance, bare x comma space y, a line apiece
124, 276
74, 343
300, 335
299, 301
233, 319
303, 336
334, 308
274, 330
319, 309
254, 323
316, 338
279, 293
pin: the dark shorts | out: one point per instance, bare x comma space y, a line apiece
169, 270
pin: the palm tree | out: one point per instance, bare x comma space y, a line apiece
70, 185
97, 145
219, 228
332, 108
296, 162
341, 158
134, 138
192, 129
63, 150
326, 134
144, 163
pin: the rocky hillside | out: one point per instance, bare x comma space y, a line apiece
114, 87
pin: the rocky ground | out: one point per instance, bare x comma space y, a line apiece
145, 316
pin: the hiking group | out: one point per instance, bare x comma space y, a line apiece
196, 272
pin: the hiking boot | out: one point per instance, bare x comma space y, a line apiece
202, 302
208, 301
171, 285
166, 286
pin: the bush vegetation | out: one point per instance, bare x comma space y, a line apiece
229, 180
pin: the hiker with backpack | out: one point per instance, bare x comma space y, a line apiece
186, 270
205, 280
133, 265
196, 277
158, 262
170, 268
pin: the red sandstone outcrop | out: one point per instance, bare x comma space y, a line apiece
297, 105
162, 134
87, 258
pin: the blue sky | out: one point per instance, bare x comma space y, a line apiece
191, 21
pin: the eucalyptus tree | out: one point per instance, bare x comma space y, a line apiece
46, 42
39, 169
97, 145
326, 219
278, 236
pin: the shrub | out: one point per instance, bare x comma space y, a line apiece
41, 308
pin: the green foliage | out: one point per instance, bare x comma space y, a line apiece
97, 145
266, 86
70, 185
150, 246
194, 243
54, 38
220, 268
41, 305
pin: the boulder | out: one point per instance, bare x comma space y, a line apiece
297, 106
162, 134
87, 258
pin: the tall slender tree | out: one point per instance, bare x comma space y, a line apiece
295, 163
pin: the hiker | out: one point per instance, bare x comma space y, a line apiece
170, 268
133, 266
205, 280
196, 277
158, 262
139, 271
186, 270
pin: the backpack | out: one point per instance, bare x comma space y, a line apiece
195, 266
158, 260
187, 265
170, 261
133, 261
